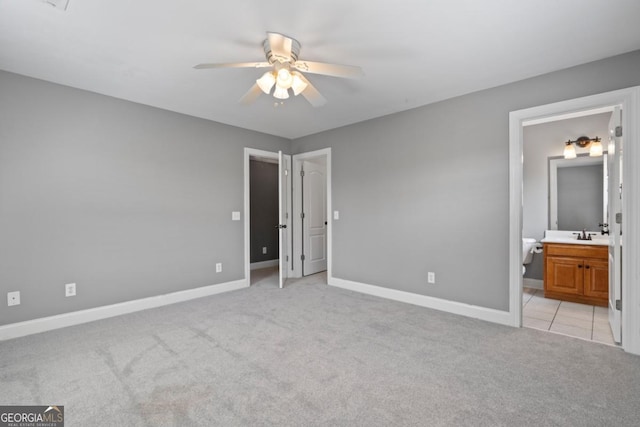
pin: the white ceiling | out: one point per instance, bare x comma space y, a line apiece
412, 52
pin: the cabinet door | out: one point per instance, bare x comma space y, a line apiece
596, 278
564, 275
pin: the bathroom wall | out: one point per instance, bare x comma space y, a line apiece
264, 210
541, 142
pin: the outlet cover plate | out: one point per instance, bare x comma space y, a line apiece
431, 277
70, 290
13, 298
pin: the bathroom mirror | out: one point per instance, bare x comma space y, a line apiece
577, 192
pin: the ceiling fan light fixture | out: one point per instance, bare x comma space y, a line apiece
298, 85
280, 92
266, 82
284, 79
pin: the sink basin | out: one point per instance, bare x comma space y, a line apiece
561, 236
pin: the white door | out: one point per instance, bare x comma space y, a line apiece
614, 168
284, 166
314, 219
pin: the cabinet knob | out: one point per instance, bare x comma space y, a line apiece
586, 266
580, 266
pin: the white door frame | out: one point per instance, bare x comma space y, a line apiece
297, 210
629, 98
248, 153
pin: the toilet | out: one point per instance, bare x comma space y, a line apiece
528, 246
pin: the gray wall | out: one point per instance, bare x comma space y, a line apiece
264, 210
580, 197
125, 200
539, 143
427, 189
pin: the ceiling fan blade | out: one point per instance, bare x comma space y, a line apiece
345, 71
234, 65
280, 46
251, 95
312, 95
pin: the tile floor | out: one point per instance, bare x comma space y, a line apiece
568, 318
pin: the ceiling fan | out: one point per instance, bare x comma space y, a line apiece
282, 57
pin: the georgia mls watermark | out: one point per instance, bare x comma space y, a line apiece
32, 416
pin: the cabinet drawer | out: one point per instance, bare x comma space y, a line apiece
582, 251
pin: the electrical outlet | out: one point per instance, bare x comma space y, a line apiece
13, 298
70, 290
431, 277
264, 249
219, 267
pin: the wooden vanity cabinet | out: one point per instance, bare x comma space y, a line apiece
578, 273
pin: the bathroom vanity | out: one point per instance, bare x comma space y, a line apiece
576, 270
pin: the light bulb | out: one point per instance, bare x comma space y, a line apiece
298, 85
281, 92
266, 82
596, 149
284, 79
569, 151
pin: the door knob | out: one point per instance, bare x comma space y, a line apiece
281, 226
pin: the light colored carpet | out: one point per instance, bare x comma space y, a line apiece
312, 355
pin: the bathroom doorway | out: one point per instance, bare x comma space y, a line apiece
565, 313
566, 195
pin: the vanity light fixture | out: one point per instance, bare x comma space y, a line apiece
594, 145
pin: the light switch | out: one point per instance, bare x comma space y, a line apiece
336, 215
235, 216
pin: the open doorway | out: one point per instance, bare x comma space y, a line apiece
263, 217
625, 305
267, 189
561, 198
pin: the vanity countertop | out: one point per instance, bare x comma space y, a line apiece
561, 236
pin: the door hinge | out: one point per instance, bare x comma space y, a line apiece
286, 172
618, 131
301, 173
287, 258
618, 305
302, 215
286, 215
302, 257
619, 218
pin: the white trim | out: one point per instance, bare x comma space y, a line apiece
265, 264
296, 210
532, 283
629, 99
468, 310
572, 115
44, 324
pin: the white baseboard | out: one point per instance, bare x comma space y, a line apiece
35, 326
265, 264
477, 312
533, 283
